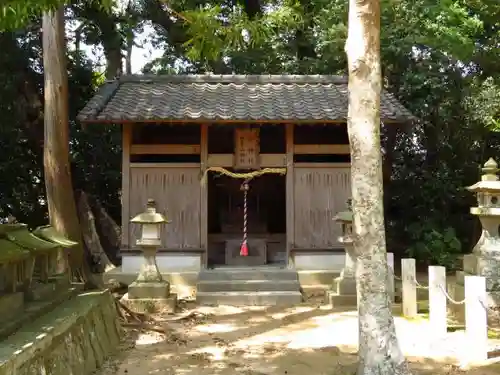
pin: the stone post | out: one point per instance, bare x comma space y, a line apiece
150, 292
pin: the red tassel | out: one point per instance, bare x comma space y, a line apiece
244, 249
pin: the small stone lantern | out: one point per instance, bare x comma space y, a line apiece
150, 292
487, 250
345, 219
344, 287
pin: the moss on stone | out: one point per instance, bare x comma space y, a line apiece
6, 228
24, 238
12, 253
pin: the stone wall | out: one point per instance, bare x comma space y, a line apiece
75, 338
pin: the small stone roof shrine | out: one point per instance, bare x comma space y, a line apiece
27, 265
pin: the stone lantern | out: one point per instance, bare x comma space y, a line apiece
345, 219
485, 257
487, 250
150, 292
344, 287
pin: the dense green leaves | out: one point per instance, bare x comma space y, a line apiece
16, 14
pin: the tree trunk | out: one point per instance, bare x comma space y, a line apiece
99, 259
379, 351
60, 199
130, 46
107, 229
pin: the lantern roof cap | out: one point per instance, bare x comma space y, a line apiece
150, 216
489, 180
345, 216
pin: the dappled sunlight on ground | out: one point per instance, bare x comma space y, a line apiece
274, 340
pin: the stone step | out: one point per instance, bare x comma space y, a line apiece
249, 298
244, 274
248, 286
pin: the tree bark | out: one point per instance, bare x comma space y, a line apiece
107, 229
60, 199
379, 351
130, 46
91, 239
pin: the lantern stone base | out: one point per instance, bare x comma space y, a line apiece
150, 297
343, 292
339, 300
158, 289
151, 305
345, 285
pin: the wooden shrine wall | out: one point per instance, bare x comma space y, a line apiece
176, 190
320, 192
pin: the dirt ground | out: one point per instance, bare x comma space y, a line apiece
308, 339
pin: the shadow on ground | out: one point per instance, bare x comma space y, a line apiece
262, 341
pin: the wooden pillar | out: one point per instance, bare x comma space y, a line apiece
125, 198
204, 195
290, 210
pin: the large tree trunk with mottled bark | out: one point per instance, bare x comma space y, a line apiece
60, 198
379, 351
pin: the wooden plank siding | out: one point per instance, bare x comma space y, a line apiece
177, 192
320, 192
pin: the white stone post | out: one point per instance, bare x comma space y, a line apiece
408, 274
437, 301
476, 319
390, 266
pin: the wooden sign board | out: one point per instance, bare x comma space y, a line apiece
247, 151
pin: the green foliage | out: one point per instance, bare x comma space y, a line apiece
15, 14
214, 29
437, 247
484, 105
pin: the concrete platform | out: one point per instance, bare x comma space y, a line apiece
249, 298
181, 283
248, 286
184, 283
244, 286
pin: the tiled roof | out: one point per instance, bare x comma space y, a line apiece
231, 97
